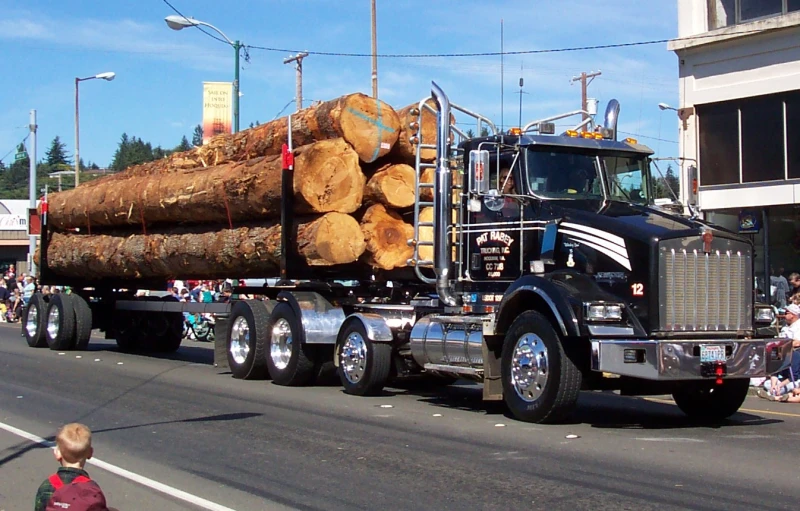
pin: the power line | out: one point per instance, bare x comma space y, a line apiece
649, 138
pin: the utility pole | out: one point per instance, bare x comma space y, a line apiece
32, 191
374, 51
585, 79
299, 83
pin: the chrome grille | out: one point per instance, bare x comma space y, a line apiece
705, 291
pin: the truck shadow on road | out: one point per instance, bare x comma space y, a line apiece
597, 409
186, 353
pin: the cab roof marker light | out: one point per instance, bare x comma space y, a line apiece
631, 140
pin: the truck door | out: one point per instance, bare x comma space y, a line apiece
494, 222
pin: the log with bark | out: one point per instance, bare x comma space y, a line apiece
387, 236
254, 251
327, 177
424, 131
370, 126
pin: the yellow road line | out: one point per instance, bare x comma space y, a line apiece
749, 410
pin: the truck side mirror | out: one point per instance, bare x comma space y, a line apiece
479, 171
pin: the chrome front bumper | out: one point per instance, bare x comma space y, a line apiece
652, 359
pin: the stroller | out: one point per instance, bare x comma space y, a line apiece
199, 327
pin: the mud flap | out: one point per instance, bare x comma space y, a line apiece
492, 379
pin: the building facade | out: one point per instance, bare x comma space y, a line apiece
739, 122
14, 239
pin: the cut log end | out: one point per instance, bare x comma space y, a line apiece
387, 238
329, 178
392, 185
334, 238
369, 125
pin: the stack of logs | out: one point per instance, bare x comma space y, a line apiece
214, 211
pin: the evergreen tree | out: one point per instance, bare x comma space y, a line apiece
484, 131
197, 136
184, 145
57, 153
470, 133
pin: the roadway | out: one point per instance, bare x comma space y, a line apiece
251, 445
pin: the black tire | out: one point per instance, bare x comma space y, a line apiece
363, 366
707, 401
247, 340
127, 330
171, 335
83, 322
291, 362
553, 394
34, 332
62, 337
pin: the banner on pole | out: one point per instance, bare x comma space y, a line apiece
217, 108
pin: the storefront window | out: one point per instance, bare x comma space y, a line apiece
719, 143
752, 9
793, 132
762, 139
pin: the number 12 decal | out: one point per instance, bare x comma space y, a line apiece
637, 288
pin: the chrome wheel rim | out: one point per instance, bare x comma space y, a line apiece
240, 340
353, 357
32, 325
53, 326
529, 367
281, 343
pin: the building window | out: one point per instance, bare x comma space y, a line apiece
723, 13
793, 133
762, 139
719, 143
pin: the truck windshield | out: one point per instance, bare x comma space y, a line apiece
565, 175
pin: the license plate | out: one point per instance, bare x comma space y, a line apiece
712, 353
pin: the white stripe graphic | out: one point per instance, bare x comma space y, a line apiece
621, 260
150, 483
599, 241
597, 232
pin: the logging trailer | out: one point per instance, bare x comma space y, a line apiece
549, 270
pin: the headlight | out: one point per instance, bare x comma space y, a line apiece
603, 311
765, 315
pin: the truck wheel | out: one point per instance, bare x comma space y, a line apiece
34, 318
247, 341
708, 402
364, 365
290, 361
83, 322
540, 383
60, 331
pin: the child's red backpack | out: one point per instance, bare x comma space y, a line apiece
82, 494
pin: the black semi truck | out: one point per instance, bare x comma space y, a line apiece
546, 269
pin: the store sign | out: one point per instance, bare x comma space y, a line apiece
749, 222
13, 223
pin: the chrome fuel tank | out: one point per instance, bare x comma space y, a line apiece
447, 340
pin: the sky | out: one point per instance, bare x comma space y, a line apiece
157, 93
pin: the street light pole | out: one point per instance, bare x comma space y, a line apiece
108, 76
177, 22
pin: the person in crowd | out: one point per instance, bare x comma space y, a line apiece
789, 379
28, 289
225, 294
73, 448
15, 311
10, 276
45, 290
780, 288
794, 282
206, 295
4, 297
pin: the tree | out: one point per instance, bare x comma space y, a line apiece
184, 145
57, 153
484, 131
197, 136
470, 133
667, 186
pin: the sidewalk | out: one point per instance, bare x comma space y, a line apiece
26, 464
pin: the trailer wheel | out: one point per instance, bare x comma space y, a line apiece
364, 366
60, 330
127, 331
83, 322
540, 383
170, 334
34, 319
247, 340
708, 402
290, 361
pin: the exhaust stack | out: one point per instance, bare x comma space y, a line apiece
442, 199
611, 117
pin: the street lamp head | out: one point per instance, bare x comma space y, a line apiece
664, 106
176, 22
107, 76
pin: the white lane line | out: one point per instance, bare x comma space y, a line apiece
127, 474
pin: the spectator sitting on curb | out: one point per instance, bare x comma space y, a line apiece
789, 379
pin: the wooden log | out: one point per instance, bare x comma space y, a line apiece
387, 236
370, 126
411, 127
254, 251
327, 178
392, 185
